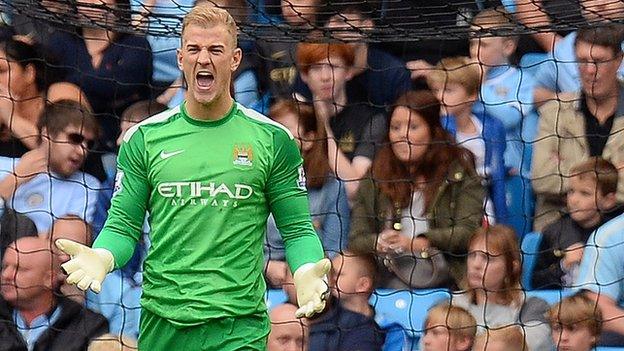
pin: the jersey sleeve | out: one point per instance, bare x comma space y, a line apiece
128, 205
286, 195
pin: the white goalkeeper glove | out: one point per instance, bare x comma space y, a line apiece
87, 267
312, 288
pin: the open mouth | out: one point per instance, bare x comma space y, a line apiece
204, 79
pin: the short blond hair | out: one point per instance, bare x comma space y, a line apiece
457, 70
110, 342
207, 16
460, 322
511, 336
577, 310
494, 18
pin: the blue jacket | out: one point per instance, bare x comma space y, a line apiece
339, 329
494, 138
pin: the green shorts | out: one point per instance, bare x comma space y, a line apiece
222, 334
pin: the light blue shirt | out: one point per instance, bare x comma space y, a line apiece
507, 95
560, 72
168, 24
31, 333
602, 267
119, 302
49, 196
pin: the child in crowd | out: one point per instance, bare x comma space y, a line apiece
349, 321
576, 323
456, 82
591, 202
449, 328
508, 338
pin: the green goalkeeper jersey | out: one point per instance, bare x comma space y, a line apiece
208, 187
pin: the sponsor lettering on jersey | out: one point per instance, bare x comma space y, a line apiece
204, 194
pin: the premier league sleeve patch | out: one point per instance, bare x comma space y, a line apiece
301, 179
118, 179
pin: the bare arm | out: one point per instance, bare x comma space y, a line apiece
531, 13
349, 171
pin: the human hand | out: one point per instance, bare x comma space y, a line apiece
419, 68
312, 288
88, 267
31, 164
573, 255
395, 241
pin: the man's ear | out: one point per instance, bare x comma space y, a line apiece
236, 59
179, 58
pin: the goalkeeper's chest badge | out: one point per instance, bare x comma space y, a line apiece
242, 155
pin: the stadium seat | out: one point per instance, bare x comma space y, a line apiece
275, 297
607, 348
519, 204
530, 247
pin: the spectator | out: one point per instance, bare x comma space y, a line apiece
601, 275
327, 197
378, 78
354, 131
421, 180
24, 90
349, 322
492, 291
509, 338
559, 77
506, 91
591, 202
46, 182
287, 332
456, 82
23, 85
161, 20
572, 131
113, 68
32, 317
276, 58
449, 328
119, 299
576, 323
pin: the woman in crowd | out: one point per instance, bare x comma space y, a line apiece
423, 191
27, 83
492, 291
327, 196
113, 68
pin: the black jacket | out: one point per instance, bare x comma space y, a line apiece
557, 237
72, 331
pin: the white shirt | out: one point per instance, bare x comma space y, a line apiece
413, 221
49, 196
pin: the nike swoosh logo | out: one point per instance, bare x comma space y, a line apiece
165, 155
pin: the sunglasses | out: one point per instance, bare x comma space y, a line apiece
79, 139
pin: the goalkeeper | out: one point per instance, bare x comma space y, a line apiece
208, 172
